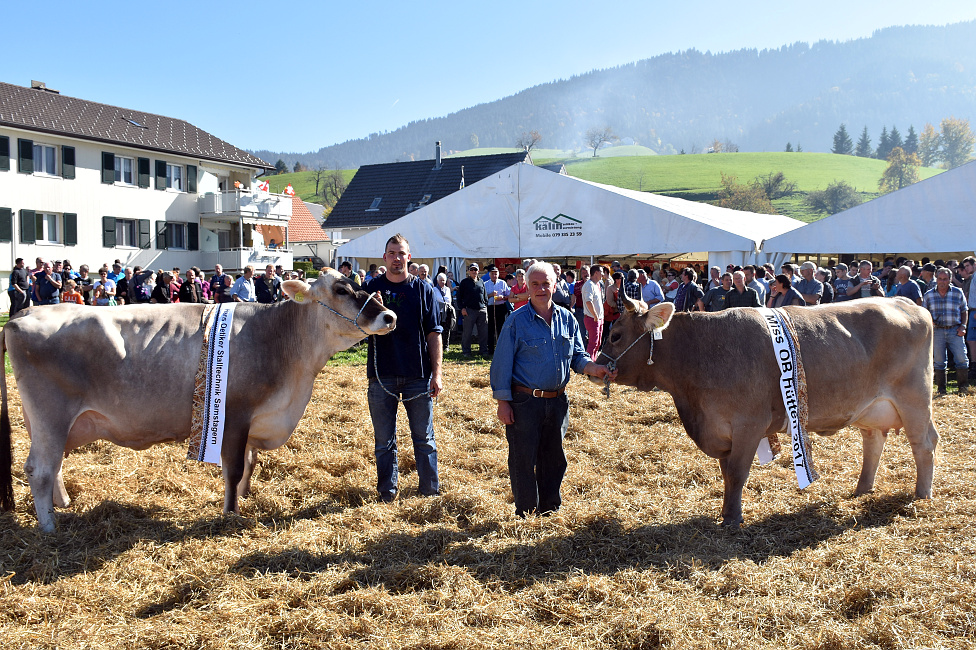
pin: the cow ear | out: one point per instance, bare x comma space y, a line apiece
296, 289
659, 316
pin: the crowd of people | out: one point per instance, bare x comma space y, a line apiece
50, 283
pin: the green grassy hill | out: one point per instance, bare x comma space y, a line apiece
694, 177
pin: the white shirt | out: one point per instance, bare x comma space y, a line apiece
652, 291
502, 290
593, 296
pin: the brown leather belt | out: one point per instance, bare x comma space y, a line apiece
535, 392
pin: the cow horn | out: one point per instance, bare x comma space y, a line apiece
630, 304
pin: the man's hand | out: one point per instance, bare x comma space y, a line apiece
600, 372
505, 412
436, 384
464, 311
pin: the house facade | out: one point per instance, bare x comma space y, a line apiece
94, 183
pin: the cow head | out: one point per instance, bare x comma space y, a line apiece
334, 292
630, 341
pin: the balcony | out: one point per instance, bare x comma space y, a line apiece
246, 206
237, 258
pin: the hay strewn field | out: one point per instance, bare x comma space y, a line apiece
144, 559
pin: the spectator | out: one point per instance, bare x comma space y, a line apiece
498, 306
116, 272
67, 271
190, 291
19, 290
714, 299
809, 287
714, 279
584, 276
754, 282
473, 301
782, 293
162, 293
423, 272
905, 287
268, 286
243, 289
632, 288
842, 283
947, 305
823, 277
143, 284
217, 279
103, 290
562, 293
47, 286
689, 293
222, 293
789, 271
864, 285
968, 269
520, 293
670, 285
613, 305
70, 293
740, 295
650, 290
122, 290
442, 295
592, 294
926, 275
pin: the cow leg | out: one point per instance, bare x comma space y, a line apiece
42, 467
250, 460
873, 441
232, 459
735, 472
61, 498
924, 439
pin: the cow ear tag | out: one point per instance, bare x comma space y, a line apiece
299, 297
658, 335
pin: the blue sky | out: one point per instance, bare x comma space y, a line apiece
297, 76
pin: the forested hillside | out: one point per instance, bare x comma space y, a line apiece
758, 100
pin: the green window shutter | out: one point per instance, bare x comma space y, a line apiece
25, 156
108, 168
161, 243
144, 235
191, 179
27, 227
144, 172
108, 232
70, 229
67, 161
160, 174
192, 236
6, 225
4, 153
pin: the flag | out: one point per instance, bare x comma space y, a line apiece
263, 186
289, 191
462, 178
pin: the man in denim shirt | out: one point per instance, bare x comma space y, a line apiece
535, 351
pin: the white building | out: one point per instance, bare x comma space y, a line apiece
93, 183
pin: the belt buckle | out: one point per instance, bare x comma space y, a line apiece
538, 390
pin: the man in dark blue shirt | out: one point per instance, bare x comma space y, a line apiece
538, 345
404, 365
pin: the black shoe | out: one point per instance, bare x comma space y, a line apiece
388, 498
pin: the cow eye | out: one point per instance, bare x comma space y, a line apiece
615, 337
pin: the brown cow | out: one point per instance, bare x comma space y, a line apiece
80, 370
868, 364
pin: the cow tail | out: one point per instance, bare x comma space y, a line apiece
6, 450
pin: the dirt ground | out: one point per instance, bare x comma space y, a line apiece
635, 559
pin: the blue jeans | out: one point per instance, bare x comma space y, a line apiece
536, 460
420, 415
947, 339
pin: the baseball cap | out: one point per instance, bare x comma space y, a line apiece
473, 266
841, 266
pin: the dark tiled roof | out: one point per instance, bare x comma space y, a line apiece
401, 184
49, 112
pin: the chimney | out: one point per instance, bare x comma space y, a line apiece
437, 155
40, 85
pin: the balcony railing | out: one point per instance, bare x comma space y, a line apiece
244, 203
238, 258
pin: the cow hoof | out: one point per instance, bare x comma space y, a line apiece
859, 492
732, 524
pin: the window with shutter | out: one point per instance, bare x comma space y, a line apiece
191, 179
25, 156
161, 243
144, 172
144, 234
108, 230
193, 236
160, 174
6, 225
28, 227
108, 168
70, 229
67, 162
4, 153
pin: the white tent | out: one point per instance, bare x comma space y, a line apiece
936, 215
525, 211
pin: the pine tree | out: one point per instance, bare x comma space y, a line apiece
883, 148
863, 145
842, 142
894, 140
789, 148
911, 141
799, 149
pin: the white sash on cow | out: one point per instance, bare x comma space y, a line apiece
210, 390
791, 384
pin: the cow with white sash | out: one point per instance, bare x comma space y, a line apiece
241, 378
866, 363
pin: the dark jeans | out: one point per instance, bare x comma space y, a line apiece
536, 461
420, 415
475, 319
579, 314
496, 318
18, 301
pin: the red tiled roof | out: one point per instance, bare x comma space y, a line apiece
302, 226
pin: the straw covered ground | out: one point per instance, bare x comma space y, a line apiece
635, 559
